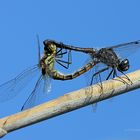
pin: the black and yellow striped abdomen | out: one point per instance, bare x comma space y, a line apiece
58, 76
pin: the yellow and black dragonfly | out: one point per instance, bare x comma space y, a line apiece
46, 70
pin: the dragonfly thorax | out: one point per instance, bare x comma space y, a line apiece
108, 57
47, 64
48, 59
123, 65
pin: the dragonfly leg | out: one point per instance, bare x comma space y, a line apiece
59, 62
60, 50
69, 57
60, 54
126, 77
68, 62
109, 74
99, 72
121, 79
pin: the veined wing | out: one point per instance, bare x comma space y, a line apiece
11, 88
91, 80
96, 75
126, 49
39, 93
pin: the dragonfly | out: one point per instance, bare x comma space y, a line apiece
45, 70
113, 58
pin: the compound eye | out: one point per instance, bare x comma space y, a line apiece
124, 65
46, 49
125, 61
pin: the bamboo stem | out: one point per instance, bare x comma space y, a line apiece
69, 102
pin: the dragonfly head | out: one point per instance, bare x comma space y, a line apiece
123, 65
49, 47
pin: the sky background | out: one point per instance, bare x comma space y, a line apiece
85, 23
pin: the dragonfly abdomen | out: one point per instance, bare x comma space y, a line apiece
60, 76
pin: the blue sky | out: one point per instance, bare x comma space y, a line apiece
90, 23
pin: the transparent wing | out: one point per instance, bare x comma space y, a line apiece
90, 78
38, 47
102, 72
126, 49
88, 74
47, 84
11, 88
97, 79
39, 93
